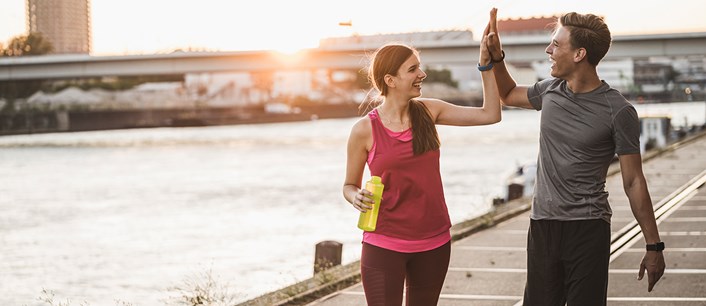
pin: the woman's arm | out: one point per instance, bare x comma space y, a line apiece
359, 144
450, 114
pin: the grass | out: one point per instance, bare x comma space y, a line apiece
202, 289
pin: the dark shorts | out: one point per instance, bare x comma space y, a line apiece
385, 274
567, 263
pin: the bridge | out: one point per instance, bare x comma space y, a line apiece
518, 49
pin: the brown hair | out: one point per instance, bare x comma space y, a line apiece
387, 60
587, 31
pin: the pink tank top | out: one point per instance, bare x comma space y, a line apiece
413, 215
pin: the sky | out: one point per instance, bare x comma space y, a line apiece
162, 26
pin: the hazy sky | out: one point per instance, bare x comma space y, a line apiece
150, 26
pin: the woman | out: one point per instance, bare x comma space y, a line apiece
399, 142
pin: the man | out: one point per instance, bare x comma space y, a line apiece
584, 123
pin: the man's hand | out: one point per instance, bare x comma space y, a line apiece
653, 262
493, 40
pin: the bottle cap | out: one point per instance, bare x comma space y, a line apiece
376, 179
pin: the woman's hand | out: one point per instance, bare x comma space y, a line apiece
363, 200
489, 33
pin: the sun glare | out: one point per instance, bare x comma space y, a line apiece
289, 26
273, 25
265, 25
291, 46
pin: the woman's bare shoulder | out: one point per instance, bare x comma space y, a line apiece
362, 127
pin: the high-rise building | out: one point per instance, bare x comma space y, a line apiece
64, 23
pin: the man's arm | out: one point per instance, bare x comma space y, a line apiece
510, 93
636, 189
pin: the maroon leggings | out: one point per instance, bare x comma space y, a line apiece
384, 273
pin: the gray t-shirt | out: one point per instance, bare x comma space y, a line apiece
579, 137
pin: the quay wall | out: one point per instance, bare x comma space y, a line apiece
32, 121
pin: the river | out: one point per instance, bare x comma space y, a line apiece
130, 215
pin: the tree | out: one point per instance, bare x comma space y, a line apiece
32, 44
440, 76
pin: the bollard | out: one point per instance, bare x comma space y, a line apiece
515, 191
328, 254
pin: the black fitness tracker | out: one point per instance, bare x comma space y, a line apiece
659, 246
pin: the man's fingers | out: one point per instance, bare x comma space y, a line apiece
493, 20
491, 40
641, 273
651, 280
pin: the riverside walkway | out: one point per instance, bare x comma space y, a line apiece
488, 266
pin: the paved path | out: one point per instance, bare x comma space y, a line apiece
488, 268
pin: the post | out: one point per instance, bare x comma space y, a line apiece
328, 254
515, 191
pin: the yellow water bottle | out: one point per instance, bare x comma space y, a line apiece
369, 219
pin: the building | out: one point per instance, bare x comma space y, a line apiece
416, 39
66, 24
542, 26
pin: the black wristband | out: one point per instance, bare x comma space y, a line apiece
659, 246
502, 57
